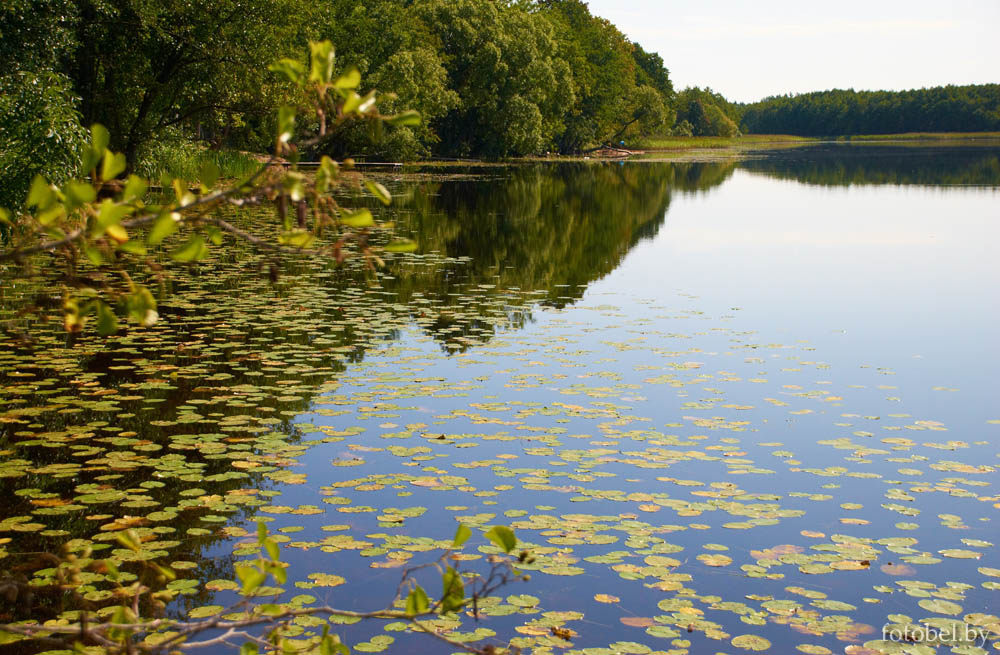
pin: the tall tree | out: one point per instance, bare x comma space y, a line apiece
144, 65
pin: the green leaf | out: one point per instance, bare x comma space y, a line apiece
113, 165
129, 539
5, 217
272, 549
321, 61
359, 218
409, 118
249, 648
107, 322
250, 577
453, 591
92, 154
292, 69
351, 103
297, 238
351, 79
181, 193
461, 535
141, 306
165, 225
214, 234
110, 216
41, 194
417, 602
117, 232
379, 192
94, 255
113, 572
193, 250
209, 174
367, 103
295, 187
401, 245
286, 124
99, 138
270, 609
330, 644
167, 572
135, 189
326, 174
51, 215
279, 572
79, 193
132, 248
503, 537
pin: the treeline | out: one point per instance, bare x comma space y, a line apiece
974, 108
492, 78
498, 78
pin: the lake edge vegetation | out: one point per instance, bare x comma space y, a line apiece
492, 80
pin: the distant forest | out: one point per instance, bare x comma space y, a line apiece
973, 108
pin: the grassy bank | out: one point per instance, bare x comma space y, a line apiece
924, 136
748, 140
188, 160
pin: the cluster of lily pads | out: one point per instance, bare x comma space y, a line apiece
682, 486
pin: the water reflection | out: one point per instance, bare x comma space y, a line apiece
552, 229
846, 165
189, 429
184, 430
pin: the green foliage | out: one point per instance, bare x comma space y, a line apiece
99, 219
417, 78
490, 79
702, 112
500, 61
37, 35
604, 73
172, 155
848, 112
122, 628
499, 79
503, 537
40, 132
141, 67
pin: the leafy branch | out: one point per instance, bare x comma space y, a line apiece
128, 632
106, 223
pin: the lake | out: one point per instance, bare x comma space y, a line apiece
727, 406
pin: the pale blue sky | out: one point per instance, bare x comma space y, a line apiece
747, 50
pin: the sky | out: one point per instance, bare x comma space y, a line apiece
750, 49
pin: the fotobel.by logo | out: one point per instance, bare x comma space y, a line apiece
952, 633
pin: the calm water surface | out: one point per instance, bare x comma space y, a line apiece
716, 399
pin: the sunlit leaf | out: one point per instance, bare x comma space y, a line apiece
379, 191
357, 219
193, 250
503, 537
462, 535
321, 61
113, 165
417, 602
